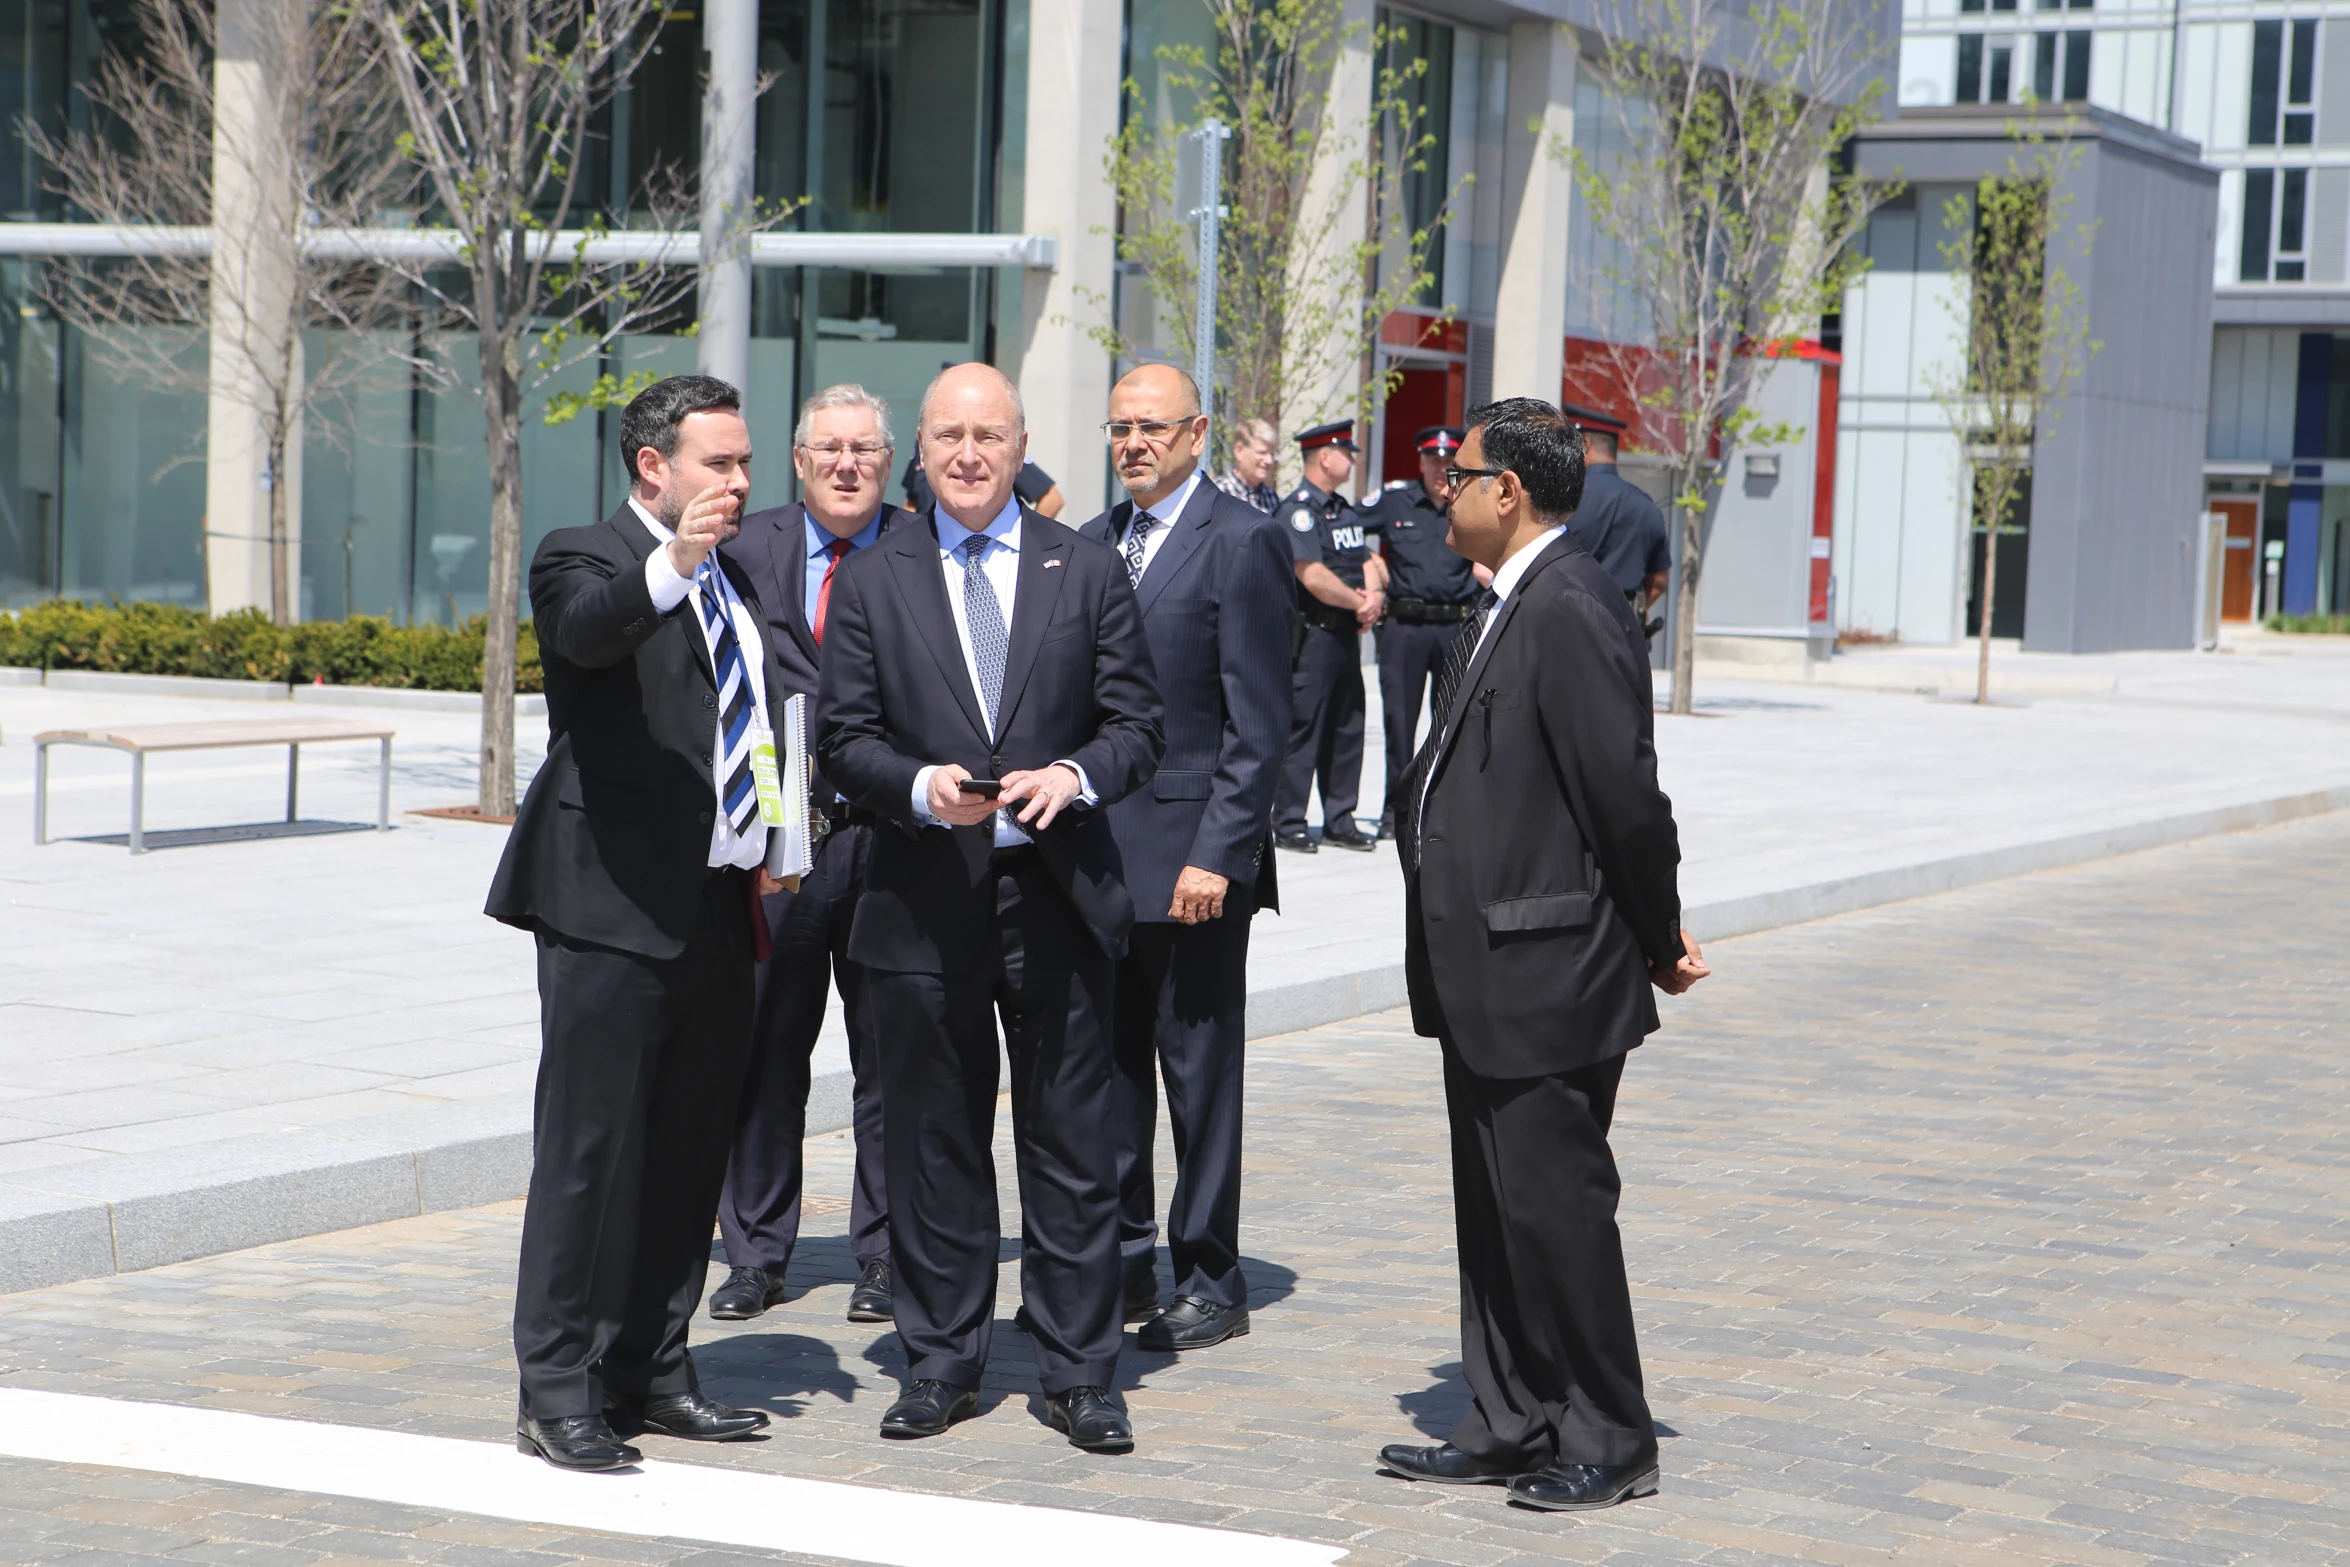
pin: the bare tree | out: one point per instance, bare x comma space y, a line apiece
1289, 319
1725, 229
242, 120
500, 99
2027, 338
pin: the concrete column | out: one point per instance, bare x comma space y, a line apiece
1332, 279
1529, 347
730, 32
1074, 67
255, 365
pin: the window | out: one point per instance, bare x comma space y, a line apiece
2274, 246
2060, 67
2284, 84
1984, 69
1970, 68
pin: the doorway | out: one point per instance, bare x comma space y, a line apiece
2240, 571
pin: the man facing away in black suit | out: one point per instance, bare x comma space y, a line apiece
793, 555
986, 690
1541, 903
634, 861
1212, 578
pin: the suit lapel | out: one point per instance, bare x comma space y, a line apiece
787, 552
1043, 562
1466, 692
639, 540
1106, 528
1188, 532
913, 558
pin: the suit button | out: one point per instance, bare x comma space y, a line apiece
709, 701
706, 818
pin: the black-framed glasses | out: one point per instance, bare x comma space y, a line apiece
1155, 431
1454, 476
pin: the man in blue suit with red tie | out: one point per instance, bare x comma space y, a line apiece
793, 556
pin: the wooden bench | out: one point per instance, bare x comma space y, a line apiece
146, 739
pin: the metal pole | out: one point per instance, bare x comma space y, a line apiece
41, 792
383, 789
1209, 215
138, 802
293, 777
730, 32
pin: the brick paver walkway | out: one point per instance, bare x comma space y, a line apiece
2000, 1227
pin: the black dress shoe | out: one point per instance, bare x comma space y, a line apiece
869, 1301
746, 1293
1192, 1323
928, 1408
1386, 824
1142, 1302
1346, 835
693, 1418
1296, 842
1087, 1417
1582, 1488
574, 1442
1446, 1465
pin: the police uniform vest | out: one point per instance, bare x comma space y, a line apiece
1323, 527
1427, 583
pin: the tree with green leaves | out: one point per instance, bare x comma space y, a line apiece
1305, 274
1724, 225
500, 99
2026, 338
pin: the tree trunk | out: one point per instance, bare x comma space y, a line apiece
502, 428
281, 603
1685, 597
1990, 592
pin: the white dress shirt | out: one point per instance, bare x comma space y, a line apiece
1505, 581
748, 848
1168, 509
999, 563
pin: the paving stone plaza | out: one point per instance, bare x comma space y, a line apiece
1998, 1226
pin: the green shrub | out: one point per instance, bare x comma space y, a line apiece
2318, 625
166, 639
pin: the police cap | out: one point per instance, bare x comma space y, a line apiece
1593, 419
1338, 432
1440, 439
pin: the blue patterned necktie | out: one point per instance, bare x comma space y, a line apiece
740, 797
983, 615
1138, 534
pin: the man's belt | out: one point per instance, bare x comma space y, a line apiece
1428, 612
1329, 617
832, 817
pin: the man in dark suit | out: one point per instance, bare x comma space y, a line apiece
792, 556
635, 861
1212, 577
1540, 905
986, 689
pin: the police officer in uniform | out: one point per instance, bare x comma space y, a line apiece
1341, 592
1617, 522
1430, 591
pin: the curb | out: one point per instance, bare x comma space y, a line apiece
142, 1211
527, 704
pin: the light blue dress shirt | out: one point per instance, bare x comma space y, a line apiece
820, 558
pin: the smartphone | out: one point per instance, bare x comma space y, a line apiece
986, 786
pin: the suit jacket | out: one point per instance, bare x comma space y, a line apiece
612, 843
772, 551
1546, 856
1218, 607
1621, 527
895, 697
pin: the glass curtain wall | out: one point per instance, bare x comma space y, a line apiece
900, 129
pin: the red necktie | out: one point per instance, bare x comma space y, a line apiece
838, 549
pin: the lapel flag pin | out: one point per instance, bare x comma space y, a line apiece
1050, 564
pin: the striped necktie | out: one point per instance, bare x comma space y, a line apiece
740, 796
1456, 661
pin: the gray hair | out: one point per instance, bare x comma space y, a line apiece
1019, 404
848, 394
1255, 432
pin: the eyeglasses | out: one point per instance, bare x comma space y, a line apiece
867, 453
1454, 476
1156, 431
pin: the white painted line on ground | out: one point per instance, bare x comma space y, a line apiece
669, 1501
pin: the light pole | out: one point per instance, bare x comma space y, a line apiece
1200, 175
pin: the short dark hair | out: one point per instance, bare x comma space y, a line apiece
653, 415
1533, 440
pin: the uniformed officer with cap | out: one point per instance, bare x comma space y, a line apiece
1430, 591
1341, 588
1617, 522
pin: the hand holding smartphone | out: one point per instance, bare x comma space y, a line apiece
988, 787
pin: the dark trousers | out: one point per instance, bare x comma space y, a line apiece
1049, 980
640, 1061
1325, 731
1409, 657
1182, 1004
1546, 1317
759, 1212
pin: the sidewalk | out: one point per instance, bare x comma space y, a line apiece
216, 1047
